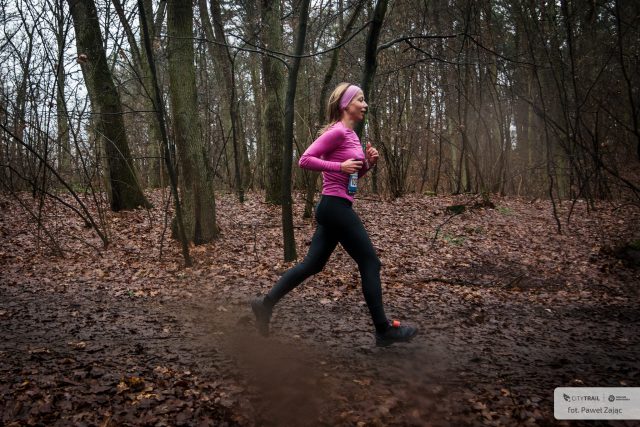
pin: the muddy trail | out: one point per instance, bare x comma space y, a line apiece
507, 310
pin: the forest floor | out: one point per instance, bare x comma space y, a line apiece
508, 310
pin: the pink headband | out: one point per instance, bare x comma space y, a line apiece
348, 95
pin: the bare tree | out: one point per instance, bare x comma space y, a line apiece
196, 188
287, 209
124, 189
273, 76
221, 56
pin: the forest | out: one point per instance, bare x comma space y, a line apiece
149, 187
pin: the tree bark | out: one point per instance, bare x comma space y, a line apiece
160, 115
633, 102
62, 121
371, 54
287, 208
273, 76
221, 56
252, 30
157, 172
20, 119
197, 190
124, 188
144, 91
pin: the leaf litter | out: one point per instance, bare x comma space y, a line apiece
507, 309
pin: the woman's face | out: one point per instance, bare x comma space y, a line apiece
357, 107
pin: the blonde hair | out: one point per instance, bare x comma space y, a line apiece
333, 112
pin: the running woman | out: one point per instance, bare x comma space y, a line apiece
337, 153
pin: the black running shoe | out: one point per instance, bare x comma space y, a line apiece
395, 333
263, 315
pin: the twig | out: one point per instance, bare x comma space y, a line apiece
166, 222
440, 226
105, 241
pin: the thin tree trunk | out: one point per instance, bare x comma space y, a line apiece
160, 117
287, 208
258, 172
19, 118
63, 140
221, 56
145, 89
371, 54
243, 168
157, 172
627, 80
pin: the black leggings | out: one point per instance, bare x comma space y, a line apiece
337, 222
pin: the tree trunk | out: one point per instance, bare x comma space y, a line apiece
371, 54
375, 129
160, 114
287, 208
273, 83
629, 87
198, 198
144, 92
258, 173
62, 120
252, 29
125, 191
221, 56
157, 172
240, 157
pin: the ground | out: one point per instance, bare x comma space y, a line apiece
508, 309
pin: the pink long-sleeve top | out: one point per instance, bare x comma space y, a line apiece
326, 154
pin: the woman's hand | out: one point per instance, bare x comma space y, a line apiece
350, 166
372, 155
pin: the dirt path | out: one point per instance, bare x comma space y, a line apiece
120, 337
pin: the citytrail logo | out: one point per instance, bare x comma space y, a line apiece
612, 398
585, 398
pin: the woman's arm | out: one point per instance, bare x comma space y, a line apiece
323, 145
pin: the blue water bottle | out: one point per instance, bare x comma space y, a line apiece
352, 187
